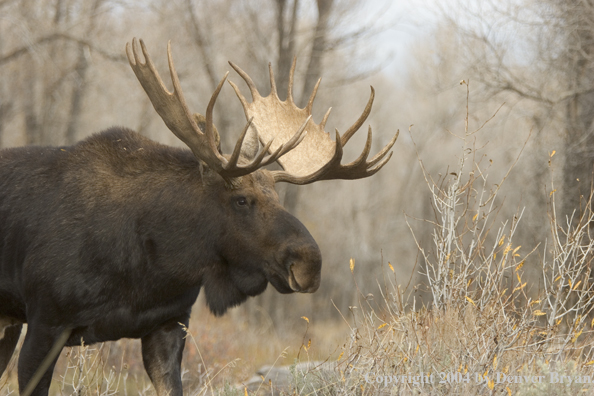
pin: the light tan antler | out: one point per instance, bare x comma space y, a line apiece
317, 157
172, 108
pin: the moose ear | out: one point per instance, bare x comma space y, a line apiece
250, 146
251, 143
201, 121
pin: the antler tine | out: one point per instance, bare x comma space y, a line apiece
363, 157
383, 152
290, 86
177, 91
248, 80
373, 171
323, 123
208, 130
355, 127
272, 82
313, 96
240, 96
237, 150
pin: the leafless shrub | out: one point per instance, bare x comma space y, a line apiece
486, 329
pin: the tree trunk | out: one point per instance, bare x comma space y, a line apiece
80, 85
286, 45
222, 120
314, 72
78, 94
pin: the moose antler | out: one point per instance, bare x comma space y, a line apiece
317, 157
172, 108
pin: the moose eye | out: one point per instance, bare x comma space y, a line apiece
242, 201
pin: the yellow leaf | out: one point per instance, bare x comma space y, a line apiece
552, 192
475, 216
577, 335
559, 321
519, 279
495, 256
308, 343
508, 391
339, 356
516, 249
569, 281
507, 249
538, 312
491, 384
501, 240
553, 153
495, 362
352, 264
470, 301
390, 265
576, 285
591, 362
520, 265
534, 302
557, 278
305, 318
382, 325
245, 392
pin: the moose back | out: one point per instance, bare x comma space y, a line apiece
116, 235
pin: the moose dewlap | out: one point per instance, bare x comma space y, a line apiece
116, 235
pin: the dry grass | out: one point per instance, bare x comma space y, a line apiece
487, 329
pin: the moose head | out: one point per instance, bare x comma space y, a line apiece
290, 137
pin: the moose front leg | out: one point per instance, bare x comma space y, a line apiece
8, 344
38, 357
162, 352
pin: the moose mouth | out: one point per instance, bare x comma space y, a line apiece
293, 284
287, 283
296, 287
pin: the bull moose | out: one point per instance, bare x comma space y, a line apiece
116, 235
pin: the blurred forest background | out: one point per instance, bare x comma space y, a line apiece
64, 76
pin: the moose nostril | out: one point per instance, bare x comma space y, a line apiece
292, 281
303, 265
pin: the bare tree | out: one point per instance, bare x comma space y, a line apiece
45, 51
541, 52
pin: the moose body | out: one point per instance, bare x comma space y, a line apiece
115, 236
